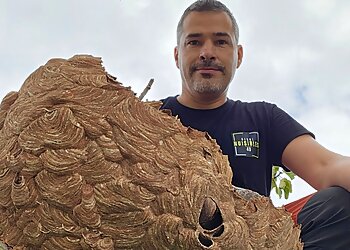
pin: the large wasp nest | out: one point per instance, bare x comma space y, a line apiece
84, 164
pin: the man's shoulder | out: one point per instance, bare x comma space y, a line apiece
252, 104
255, 110
168, 102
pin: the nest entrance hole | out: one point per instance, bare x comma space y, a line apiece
210, 217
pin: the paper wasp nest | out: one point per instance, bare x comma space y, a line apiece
84, 164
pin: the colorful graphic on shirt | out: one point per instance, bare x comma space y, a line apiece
246, 144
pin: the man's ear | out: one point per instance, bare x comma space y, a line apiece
176, 56
240, 55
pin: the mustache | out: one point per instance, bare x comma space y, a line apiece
207, 64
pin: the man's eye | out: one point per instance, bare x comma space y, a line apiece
221, 42
193, 42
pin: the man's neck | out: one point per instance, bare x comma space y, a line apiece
204, 102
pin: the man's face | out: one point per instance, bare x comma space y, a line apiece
207, 54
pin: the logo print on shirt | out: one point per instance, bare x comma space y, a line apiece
246, 144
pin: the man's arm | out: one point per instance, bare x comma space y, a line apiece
318, 166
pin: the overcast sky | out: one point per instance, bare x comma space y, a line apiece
296, 52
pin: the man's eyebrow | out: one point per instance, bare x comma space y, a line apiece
217, 34
194, 35
221, 34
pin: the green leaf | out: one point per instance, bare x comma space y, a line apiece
275, 170
279, 192
291, 175
287, 189
286, 194
273, 184
282, 181
289, 186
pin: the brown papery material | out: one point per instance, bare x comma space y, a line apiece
84, 164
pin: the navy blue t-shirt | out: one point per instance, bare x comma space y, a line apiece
253, 135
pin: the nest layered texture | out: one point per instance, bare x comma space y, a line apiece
84, 164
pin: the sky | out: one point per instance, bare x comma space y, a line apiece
296, 53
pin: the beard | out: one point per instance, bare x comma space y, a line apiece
206, 83
205, 86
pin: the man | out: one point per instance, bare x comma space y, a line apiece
257, 135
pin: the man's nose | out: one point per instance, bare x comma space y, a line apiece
207, 52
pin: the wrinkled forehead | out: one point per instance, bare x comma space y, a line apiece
207, 23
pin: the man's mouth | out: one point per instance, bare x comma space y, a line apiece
208, 70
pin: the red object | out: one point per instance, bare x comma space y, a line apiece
295, 207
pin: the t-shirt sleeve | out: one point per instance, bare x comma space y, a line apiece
284, 129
